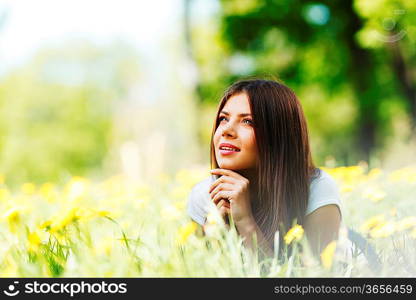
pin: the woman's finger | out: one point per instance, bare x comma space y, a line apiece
223, 202
222, 179
220, 203
225, 195
229, 173
221, 187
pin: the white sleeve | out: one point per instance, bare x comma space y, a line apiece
324, 191
195, 206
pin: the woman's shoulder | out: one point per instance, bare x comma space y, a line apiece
203, 186
323, 178
199, 200
324, 190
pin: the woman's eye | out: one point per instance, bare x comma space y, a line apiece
249, 121
221, 118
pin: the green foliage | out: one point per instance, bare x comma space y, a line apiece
332, 54
56, 111
48, 127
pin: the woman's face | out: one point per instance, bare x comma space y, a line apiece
236, 128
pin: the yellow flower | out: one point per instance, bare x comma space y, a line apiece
70, 217
28, 188
185, 231
374, 194
348, 177
4, 193
33, 241
413, 233
405, 174
383, 230
295, 233
374, 173
104, 213
13, 218
372, 222
346, 188
46, 225
46, 190
406, 223
327, 255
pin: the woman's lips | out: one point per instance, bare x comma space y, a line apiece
228, 152
228, 149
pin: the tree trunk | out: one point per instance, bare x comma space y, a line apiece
406, 83
361, 70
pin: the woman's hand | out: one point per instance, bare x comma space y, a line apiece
233, 188
223, 207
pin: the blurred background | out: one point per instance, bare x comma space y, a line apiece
94, 88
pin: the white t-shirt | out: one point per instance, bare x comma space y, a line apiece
323, 191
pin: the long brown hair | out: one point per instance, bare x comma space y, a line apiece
285, 167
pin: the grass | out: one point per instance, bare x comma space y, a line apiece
116, 228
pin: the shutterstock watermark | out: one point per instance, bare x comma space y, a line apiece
68, 288
392, 33
11, 289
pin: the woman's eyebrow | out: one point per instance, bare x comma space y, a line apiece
240, 115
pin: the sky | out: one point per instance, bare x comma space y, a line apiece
30, 24
144, 24
148, 25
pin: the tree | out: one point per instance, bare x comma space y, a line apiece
56, 111
309, 43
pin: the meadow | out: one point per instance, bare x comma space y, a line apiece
121, 228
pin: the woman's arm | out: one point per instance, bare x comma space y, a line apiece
322, 226
248, 229
234, 188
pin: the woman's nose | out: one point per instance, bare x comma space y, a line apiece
228, 129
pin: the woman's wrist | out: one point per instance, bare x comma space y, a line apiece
247, 225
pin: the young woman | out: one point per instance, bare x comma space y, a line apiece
263, 174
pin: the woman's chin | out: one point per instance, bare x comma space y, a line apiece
228, 166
